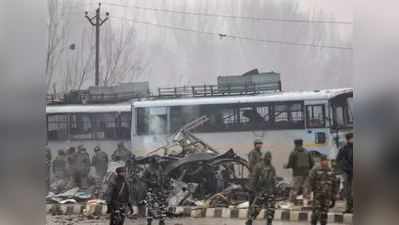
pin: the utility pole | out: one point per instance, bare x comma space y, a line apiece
96, 21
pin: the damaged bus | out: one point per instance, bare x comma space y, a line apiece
321, 118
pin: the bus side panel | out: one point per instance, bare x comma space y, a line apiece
279, 142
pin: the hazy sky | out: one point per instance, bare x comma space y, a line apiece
181, 58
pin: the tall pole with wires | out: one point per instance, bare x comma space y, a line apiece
97, 22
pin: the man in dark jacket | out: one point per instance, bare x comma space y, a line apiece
345, 164
118, 198
301, 162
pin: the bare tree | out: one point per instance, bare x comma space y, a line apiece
58, 23
122, 60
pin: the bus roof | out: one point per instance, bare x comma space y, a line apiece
273, 97
58, 109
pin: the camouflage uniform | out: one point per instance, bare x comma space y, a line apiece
323, 183
262, 185
254, 157
156, 198
156, 206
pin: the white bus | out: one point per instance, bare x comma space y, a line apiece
90, 125
321, 118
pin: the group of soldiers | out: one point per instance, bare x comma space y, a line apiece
321, 180
72, 167
308, 178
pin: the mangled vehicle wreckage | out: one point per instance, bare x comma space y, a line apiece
193, 173
195, 176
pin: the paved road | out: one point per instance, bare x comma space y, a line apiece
65, 220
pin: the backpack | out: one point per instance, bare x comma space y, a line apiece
302, 159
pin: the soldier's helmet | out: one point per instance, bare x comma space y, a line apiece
258, 141
97, 148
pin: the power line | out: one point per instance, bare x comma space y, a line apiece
224, 35
232, 16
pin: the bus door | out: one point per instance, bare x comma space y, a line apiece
316, 123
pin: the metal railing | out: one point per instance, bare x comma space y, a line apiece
85, 97
217, 90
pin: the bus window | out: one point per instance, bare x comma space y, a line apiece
124, 125
296, 113
181, 115
57, 127
315, 116
288, 115
142, 121
152, 120
81, 126
158, 120
339, 116
112, 126
281, 113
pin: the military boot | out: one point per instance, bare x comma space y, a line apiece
249, 222
269, 222
149, 221
162, 222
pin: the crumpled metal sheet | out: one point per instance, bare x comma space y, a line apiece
210, 158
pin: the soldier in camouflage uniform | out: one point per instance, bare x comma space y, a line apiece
322, 182
262, 185
255, 154
155, 199
254, 157
156, 206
